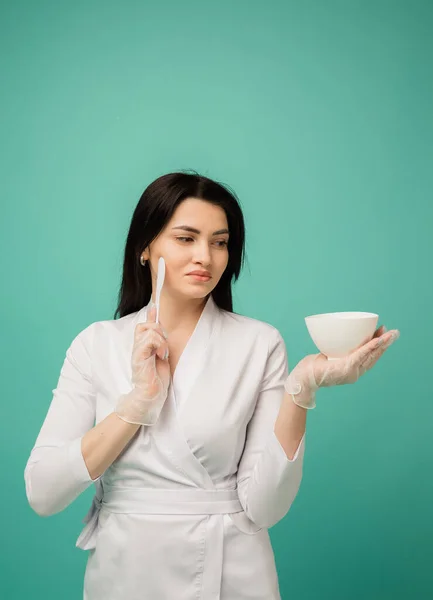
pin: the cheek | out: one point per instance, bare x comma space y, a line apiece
173, 254
175, 263
222, 261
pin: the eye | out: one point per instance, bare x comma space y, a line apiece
221, 243
185, 239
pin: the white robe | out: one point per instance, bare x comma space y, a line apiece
183, 513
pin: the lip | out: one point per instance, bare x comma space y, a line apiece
204, 274
200, 276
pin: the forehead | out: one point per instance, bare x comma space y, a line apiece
200, 214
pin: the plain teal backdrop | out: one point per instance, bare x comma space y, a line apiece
319, 114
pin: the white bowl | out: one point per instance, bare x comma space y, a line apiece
338, 334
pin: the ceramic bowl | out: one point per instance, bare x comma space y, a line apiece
338, 334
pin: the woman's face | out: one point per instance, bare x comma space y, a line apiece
194, 247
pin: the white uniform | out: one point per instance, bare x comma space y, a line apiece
184, 511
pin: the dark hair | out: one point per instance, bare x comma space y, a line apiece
153, 211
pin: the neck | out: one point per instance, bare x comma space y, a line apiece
179, 313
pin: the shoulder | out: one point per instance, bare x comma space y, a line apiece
251, 329
100, 331
260, 342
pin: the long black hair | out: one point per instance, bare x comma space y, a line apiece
153, 211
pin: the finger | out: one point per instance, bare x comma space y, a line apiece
379, 331
151, 314
374, 356
148, 344
163, 351
390, 337
154, 338
371, 352
142, 328
371, 359
360, 355
376, 335
163, 370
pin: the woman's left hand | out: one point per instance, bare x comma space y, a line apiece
315, 371
350, 368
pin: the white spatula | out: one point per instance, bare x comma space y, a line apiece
160, 276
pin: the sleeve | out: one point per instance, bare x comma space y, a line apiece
56, 473
267, 480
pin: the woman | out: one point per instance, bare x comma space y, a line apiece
183, 505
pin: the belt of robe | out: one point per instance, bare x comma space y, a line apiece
193, 501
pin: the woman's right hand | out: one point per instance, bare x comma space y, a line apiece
150, 373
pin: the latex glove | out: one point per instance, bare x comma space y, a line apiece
150, 374
315, 371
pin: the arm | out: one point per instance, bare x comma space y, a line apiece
270, 469
290, 425
69, 453
103, 443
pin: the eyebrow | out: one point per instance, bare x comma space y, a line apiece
194, 230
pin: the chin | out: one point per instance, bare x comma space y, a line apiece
196, 292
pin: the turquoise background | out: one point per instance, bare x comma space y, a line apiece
319, 115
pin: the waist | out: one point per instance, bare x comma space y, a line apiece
170, 501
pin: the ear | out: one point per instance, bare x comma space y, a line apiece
145, 254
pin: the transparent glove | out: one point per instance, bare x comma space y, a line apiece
150, 374
315, 371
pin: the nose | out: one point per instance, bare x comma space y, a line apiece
202, 254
